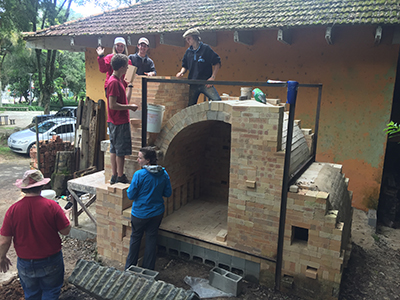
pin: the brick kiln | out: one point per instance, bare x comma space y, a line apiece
225, 161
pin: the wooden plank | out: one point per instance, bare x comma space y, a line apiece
90, 202
75, 196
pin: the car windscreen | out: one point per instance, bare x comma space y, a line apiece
43, 127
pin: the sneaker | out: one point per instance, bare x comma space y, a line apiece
113, 179
122, 179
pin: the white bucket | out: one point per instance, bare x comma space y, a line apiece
246, 92
49, 194
155, 114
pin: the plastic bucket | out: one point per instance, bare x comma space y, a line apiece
246, 92
155, 114
49, 194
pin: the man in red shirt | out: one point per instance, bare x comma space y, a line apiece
33, 223
118, 117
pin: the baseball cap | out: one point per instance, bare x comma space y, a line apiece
119, 40
143, 40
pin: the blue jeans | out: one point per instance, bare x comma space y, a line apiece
140, 226
195, 90
42, 279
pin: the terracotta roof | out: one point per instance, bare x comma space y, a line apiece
163, 16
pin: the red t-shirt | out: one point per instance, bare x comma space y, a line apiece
116, 88
34, 223
105, 67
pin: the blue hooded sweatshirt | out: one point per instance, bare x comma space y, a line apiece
147, 189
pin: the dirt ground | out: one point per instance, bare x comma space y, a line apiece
373, 271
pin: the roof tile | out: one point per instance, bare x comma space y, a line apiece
163, 16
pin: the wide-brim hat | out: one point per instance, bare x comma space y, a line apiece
143, 40
119, 40
192, 31
31, 178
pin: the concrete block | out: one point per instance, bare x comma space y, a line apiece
372, 218
211, 255
225, 281
252, 271
141, 272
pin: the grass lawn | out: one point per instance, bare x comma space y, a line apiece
6, 153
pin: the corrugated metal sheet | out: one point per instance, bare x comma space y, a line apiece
111, 284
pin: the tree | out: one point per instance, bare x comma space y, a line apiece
31, 15
17, 67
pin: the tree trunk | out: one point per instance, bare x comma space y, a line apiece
60, 99
46, 99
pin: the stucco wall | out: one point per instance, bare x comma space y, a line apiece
358, 79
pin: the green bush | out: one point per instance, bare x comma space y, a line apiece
15, 107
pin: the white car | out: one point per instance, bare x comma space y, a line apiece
22, 141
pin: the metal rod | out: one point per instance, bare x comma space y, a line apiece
285, 189
144, 111
314, 146
37, 143
240, 83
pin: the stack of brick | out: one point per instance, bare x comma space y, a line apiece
112, 233
48, 152
171, 95
316, 248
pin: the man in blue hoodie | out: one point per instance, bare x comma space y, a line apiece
148, 187
200, 59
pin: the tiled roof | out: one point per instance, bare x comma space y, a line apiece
163, 16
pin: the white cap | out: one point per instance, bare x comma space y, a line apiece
143, 40
119, 40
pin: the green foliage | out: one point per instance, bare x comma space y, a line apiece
23, 16
16, 106
392, 128
376, 237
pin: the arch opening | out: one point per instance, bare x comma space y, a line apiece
198, 162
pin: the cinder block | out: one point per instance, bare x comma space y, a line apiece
225, 281
141, 272
372, 218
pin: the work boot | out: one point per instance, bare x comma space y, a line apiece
122, 179
113, 179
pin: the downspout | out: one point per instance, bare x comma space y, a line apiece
292, 87
144, 111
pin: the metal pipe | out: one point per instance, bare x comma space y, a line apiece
292, 94
314, 146
37, 143
144, 111
234, 83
